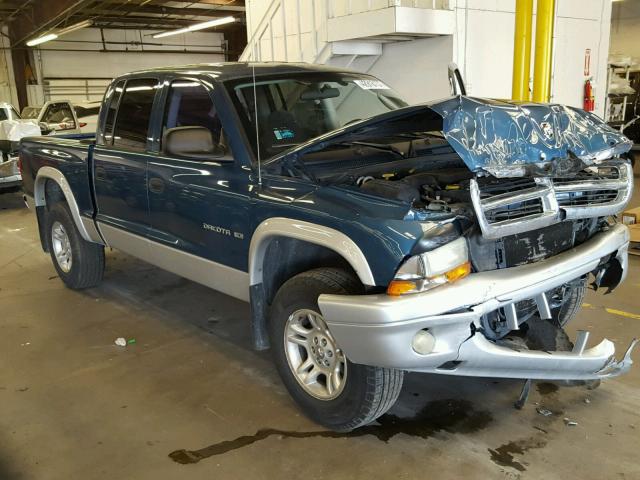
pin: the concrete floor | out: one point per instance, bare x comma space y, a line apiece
75, 406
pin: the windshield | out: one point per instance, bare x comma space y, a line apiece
30, 112
8, 113
292, 109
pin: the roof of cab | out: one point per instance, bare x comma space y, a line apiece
230, 70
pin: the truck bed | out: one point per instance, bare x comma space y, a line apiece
71, 155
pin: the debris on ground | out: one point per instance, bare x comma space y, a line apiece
569, 423
131, 341
121, 342
587, 400
544, 412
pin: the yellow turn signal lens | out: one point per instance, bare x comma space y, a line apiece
400, 287
459, 272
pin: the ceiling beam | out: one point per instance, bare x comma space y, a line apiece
164, 10
41, 16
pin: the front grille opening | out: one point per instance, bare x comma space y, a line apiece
586, 198
593, 175
490, 187
514, 211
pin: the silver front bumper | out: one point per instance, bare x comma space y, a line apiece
379, 329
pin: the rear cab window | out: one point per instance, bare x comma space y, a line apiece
131, 114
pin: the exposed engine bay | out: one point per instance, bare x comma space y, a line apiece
507, 222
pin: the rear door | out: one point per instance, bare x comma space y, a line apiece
199, 205
121, 156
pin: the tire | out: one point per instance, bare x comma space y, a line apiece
572, 304
361, 393
549, 335
85, 267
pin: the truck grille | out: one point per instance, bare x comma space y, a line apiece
510, 206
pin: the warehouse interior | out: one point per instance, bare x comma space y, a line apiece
151, 375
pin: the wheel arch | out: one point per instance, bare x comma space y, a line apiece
280, 227
86, 227
281, 248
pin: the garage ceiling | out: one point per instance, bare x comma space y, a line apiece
29, 18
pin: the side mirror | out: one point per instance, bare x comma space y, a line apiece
194, 143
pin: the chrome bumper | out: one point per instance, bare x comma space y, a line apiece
379, 329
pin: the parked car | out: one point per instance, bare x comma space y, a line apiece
370, 237
55, 117
8, 112
87, 114
12, 128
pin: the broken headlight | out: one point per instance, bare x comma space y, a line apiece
428, 270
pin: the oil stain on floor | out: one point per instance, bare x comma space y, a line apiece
503, 455
452, 415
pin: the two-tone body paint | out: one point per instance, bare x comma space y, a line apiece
211, 209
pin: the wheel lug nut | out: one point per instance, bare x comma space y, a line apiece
329, 353
324, 342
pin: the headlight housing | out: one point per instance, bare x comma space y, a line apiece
428, 270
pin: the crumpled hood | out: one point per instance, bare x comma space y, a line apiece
500, 137
505, 139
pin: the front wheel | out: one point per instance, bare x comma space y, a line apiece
330, 389
80, 264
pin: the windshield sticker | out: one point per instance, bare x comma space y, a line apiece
283, 133
371, 84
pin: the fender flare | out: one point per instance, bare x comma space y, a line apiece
86, 227
309, 232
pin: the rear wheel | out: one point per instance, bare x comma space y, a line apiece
80, 264
330, 389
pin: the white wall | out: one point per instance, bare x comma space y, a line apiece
58, 63
417, 69
483, 47
298, 27
55, 60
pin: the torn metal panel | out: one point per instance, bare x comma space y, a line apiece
503, 138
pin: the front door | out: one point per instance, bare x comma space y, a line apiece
199, 205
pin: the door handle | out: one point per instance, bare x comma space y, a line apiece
156, 185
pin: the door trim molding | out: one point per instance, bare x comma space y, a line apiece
222, 278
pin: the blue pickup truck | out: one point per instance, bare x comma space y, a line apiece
370, 237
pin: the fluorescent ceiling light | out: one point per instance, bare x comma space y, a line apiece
74, 27
42, 39
63, 31
197, 26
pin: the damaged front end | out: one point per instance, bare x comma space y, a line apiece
531, 191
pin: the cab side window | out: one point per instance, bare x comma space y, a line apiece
132, 123
189, 105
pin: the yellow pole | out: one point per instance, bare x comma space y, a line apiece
522, 50
544, 45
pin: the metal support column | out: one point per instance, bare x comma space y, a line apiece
544, 54
522, 50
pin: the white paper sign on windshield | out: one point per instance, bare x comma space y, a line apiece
371, 84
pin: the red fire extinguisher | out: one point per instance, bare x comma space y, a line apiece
589, 99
